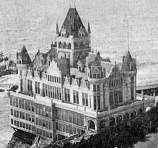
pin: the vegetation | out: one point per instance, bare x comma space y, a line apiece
123, 135
21, 139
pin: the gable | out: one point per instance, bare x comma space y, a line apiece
53, 69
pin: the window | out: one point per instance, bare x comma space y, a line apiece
21, 85
85, 99
59, 44
69, 46
74, 118
111, 98
17, 114
116, 97
20, 103
29, 86
98, 75
95, 103
20, 124
90, 101
98, 87
94, 76
132, 92
11, 101
11, 121
11, 111
76, 97
37, 87
67, 95
120, 97
94, 87
58, 93
64, 46
98, 99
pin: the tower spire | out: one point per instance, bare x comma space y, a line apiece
57, 29
89, 28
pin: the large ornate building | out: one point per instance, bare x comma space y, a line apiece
71, 89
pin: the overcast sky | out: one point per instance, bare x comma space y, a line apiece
32, 22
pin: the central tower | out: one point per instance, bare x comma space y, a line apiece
73, 39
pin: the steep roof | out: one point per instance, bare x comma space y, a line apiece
24, 56
41, 59
64, 66
72, 23
128, 63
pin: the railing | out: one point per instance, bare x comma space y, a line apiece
21, 95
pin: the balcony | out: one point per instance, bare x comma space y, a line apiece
21, 95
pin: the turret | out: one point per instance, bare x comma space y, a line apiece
23, 61
129, 70
23, 57
128, 63
73, 38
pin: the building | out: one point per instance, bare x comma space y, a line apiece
70, 89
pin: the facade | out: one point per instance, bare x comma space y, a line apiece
70, 89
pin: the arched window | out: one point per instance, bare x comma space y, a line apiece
69, 46
91, 124
64, 45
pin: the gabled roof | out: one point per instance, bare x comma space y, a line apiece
41, 59
72, 23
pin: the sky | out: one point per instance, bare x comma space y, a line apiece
115, 25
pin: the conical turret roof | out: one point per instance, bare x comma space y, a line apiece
72, 23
